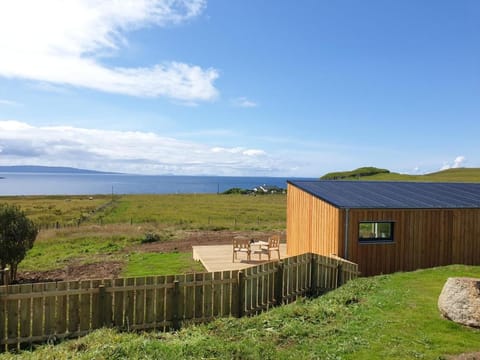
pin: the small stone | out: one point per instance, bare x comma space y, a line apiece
459, 301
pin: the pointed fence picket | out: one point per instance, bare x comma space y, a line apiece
33, 313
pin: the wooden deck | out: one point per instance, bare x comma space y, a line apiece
219, 257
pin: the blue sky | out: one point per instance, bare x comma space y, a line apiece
279, 88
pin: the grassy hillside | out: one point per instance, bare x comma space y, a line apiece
354, 174
384, 317
450, 175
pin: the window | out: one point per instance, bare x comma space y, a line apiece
370, 231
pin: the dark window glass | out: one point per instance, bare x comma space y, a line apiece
370, 231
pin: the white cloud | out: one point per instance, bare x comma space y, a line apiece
62, 42
457, 163
238, 150
243, 102
459, 160
124, 151
9, 102
254, 152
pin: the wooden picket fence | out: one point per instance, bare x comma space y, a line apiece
47, 312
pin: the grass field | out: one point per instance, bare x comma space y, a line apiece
384, 317
199, 211
55, 249
108, 229
65, 210
88, 244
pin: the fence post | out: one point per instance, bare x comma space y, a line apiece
176, 293
6, 276
241, 294
278, 284
101, 304
339, 275
313, 276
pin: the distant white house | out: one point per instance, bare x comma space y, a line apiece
272, 189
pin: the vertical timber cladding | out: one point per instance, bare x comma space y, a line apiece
422, 238
466, 236
313, 225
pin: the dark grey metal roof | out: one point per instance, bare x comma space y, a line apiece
393, 195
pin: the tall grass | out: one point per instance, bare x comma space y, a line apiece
202, 211
48, 210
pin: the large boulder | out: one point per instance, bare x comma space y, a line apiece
460, 301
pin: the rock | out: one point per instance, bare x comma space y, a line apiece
460, 301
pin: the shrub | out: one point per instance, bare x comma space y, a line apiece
235, 191
17, 235
164, 235
150, 237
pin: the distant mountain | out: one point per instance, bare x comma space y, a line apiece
48, 170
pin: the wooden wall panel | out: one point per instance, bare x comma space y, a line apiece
299, 219
312, 225
466, 237
422, 239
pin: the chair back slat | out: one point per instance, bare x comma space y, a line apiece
241, 243
274, 241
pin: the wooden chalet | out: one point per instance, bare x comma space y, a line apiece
385, 227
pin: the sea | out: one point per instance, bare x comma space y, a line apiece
15, 184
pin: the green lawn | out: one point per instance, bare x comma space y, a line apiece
54, 249
384, 317
143, 264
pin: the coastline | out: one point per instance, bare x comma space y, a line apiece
95, 184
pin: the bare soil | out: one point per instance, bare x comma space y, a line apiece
466, 356
108, 269
112, 269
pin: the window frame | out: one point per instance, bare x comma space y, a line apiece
377, 240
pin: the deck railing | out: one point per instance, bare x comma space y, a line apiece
39, 312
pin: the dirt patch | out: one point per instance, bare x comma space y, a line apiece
467, 356
194, 238
112, 269
108, 269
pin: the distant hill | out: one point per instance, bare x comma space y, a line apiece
47, 170
450, 175
354, 174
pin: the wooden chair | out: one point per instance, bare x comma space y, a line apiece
241, 244
273, 244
